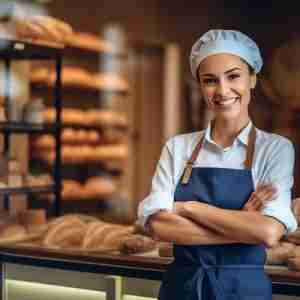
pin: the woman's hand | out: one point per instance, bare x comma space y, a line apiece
263, 194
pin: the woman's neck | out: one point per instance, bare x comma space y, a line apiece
224, 132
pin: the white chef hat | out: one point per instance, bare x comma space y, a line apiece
225, 41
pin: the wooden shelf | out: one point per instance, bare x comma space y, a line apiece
13, 49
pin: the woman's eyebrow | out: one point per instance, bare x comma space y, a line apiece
213, 75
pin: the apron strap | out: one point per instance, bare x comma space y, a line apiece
248, 162
189, 165
250, 148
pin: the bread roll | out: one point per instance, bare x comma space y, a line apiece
45, 142
106, 118
90, 41
44, 28
137, 243
93, 137
99, 187
71, 190
32, 217
13, 232
280, 253
111, 82
40, 75
111, 152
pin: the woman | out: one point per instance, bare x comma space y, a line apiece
222, 195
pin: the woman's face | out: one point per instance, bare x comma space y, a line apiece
226, 82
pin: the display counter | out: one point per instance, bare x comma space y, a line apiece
146, 266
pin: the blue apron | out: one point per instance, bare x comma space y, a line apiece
217, 272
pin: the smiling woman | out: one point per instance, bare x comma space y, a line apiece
222, 195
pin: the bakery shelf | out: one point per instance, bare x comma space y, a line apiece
22, 127
93, 127
14, 49
27, 190
73, 50
91, 90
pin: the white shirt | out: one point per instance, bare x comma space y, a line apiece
273, 162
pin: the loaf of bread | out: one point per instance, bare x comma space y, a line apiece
111, 82
44, 142
96, 237
90, 41
67, 232
137, 243
44, 28
71, 190
280, 254
13, 232
106, 118
99, 187
111, 152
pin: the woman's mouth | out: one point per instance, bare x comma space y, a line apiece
224, 103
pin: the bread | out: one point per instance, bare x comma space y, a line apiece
106, 118
90, 41
137, 243
280, 254
55, 234
40, 75
43, 28
99, 187
111, 152
111, 82
114, 239
46, 142
71, 190
95, 239
33, 217
13, 231
93, 137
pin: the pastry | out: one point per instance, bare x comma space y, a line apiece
137, 243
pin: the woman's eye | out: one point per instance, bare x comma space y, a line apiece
233, 76
209, 81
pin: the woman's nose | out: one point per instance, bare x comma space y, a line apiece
222, 88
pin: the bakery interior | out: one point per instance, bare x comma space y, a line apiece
89, 95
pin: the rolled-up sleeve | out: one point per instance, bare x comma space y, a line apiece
279, 171
161, 196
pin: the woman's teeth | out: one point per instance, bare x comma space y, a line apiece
227, 102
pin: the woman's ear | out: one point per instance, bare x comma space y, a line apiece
253, 78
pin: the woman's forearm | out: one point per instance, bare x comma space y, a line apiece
244, 226
170, 227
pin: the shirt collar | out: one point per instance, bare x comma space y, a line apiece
242, 137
